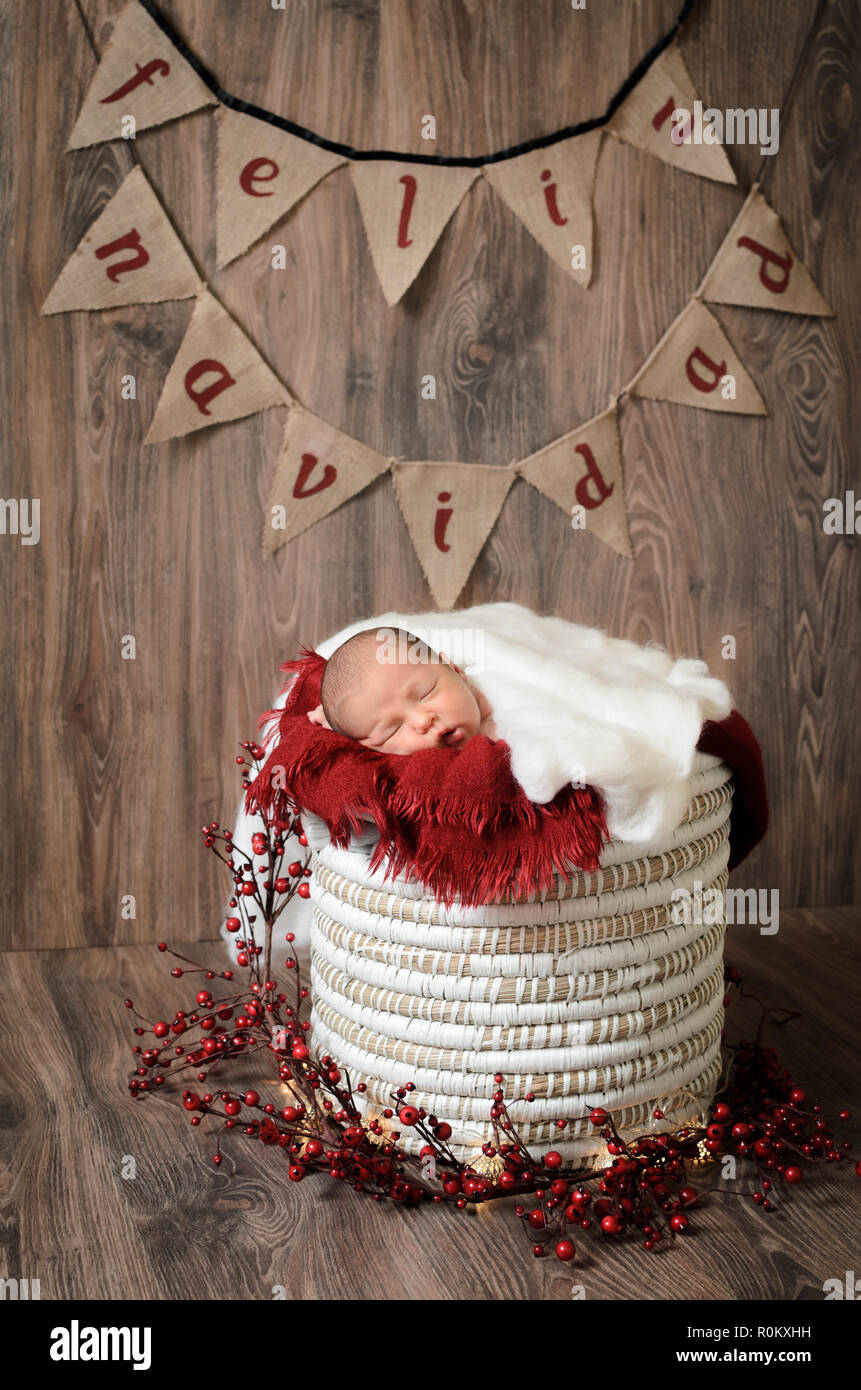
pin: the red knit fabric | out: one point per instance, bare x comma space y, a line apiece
456, 821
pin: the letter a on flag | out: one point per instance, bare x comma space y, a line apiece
217, 375
450, 510
582, 474
318, 469
404, 208
757, 267
696, 364
142, 75
130, 255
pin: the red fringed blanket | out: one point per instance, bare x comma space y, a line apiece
456, 821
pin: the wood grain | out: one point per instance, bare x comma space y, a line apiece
112, 765
180, 1229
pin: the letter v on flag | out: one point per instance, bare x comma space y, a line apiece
318, 469
141, 74
216, 376
583, 470
404, 208
130, 255
450, 510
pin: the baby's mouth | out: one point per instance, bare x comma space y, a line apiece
449, 737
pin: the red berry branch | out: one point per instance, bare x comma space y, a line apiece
645, 1190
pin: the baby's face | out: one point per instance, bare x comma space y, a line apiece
403, 707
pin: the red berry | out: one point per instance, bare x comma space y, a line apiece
303, 890
679, 1223
251, 1098
258, 842
443, 1131
565, 1250
296, 1172
294, 869
793, 1174
553, 1159
610, 1225
536, 1219
233, 924
408, 1115
161, 1029
598, 1116
300, 1052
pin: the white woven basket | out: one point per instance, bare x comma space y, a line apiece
589, 994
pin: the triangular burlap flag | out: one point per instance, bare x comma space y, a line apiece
262, 172
757, 267
550, 191
404, 208
140, 74
645, 119
582, 474
217, 375
318, 469
450, 510
695, 364
130, 255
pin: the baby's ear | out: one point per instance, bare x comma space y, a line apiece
448, 661
316, 716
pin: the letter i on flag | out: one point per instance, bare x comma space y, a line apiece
142, 75
582, 474
404, 208
450, 510
550, 191
217, 375
130, 255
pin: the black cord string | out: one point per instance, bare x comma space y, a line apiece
456, 161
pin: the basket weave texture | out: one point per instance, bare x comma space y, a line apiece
592, 993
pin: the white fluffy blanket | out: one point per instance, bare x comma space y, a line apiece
575, 705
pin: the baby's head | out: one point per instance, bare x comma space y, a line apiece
391, 692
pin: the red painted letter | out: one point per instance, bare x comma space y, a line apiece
202, 398
410, 186
249, 174
131, 242
309, 463
592, 474
767, 256
442, 519
716, 368
550, 200
143, 74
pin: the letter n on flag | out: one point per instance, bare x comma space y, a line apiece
583, 471
757, 267
404, 208
696, 364
318, 469
130, 255
217, 375
450, 510
142, 75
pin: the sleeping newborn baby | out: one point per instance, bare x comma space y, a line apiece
390, 691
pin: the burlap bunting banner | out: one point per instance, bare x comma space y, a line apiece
756, 266
217, 375
696, 364
582, 474
318, 469
141, 75
450, 510
551, 192
261, 173
645, 119
404, 208
130, 255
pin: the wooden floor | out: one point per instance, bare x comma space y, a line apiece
182, 1230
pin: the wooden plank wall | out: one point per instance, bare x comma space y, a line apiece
111, 766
